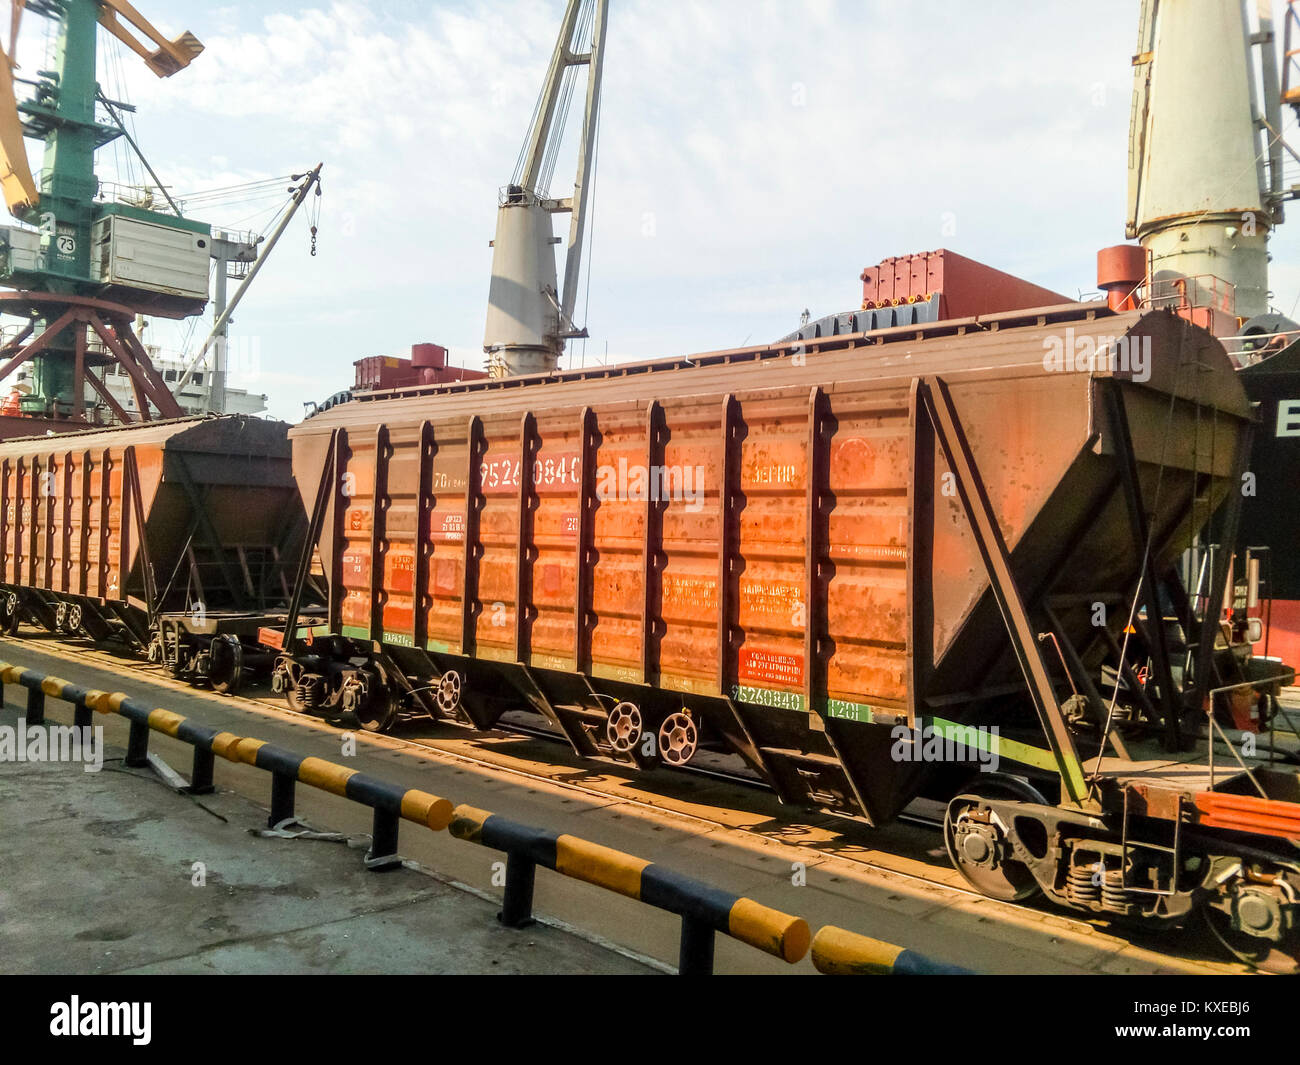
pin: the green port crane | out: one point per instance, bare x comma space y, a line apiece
81, 268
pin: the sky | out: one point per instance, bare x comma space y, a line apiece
755, 156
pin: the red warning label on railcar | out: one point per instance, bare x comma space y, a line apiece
768, 667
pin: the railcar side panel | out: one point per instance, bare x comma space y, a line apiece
557, 490
623, 490
493, 615
864, 553
445, 536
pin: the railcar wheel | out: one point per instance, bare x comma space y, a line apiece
679, 739
74, 618
1281, 957
450, 690
379, 711
623, 729
10, 619
379, 704
977, 845
226, 669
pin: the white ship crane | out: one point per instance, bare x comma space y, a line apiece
1206, 150
529, 317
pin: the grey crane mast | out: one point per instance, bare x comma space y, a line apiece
529, 317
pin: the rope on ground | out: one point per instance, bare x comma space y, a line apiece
284, 830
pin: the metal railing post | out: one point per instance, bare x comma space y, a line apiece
517, 901
35, 706
383, 841
695, 954
201, 774
282, 795
137, 745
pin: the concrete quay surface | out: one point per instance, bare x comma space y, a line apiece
114, 872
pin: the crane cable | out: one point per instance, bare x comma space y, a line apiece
551, 152
249, 190
551, 149
517, 175
313, 216
583, 38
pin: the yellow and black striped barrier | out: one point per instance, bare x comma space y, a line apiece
839, 952
391, 804
703, 909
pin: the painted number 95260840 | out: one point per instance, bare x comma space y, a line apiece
547, 472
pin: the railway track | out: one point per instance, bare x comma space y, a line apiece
479, 751
741, 780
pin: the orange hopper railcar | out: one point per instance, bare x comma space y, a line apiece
177, 539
